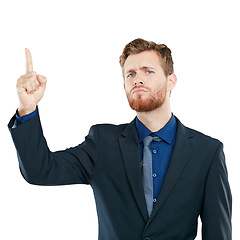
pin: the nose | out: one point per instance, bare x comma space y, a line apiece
138, 80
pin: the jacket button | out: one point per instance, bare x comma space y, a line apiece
146, 238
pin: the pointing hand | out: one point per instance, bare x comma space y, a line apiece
30, 88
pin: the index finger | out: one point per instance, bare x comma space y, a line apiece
29, 65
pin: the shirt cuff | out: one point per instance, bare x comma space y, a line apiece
25, 118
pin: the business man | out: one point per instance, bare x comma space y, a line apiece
152, 178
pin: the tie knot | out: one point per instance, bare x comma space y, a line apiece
156, 138
148, 140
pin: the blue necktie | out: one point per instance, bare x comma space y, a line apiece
147, 171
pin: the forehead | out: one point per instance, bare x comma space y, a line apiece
146, 58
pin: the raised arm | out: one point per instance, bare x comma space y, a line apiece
37, 163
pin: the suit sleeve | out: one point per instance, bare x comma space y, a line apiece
217, 206
40, 166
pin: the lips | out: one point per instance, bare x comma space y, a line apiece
138, 90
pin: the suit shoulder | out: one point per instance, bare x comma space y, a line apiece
190, 132
203, 138
110, 129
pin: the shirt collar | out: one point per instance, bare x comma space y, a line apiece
166, 133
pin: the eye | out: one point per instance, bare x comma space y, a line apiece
149, 72
130, 75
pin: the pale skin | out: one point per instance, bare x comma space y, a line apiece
30, 88
143, 70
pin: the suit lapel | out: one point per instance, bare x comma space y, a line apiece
181, 153
130, 150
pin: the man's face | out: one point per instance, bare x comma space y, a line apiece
144, 81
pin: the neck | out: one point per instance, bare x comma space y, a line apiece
156, 119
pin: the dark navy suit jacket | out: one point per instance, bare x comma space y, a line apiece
196, 183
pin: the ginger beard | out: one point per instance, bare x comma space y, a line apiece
155, 100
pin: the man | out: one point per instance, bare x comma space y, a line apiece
152, 178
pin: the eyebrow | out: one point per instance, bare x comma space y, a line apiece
142, 68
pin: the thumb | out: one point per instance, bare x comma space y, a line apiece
42, 80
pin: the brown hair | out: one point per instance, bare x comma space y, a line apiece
139, 45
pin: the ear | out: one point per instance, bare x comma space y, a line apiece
172, 81
124, 85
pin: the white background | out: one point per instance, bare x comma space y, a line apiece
76, 45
